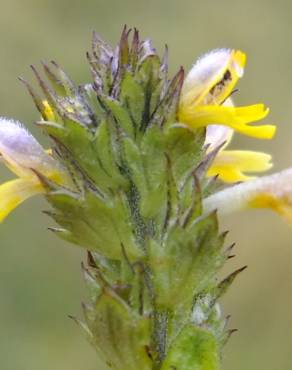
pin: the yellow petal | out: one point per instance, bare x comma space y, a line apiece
48, 113
231, 165
283, 206
238, 118
14, 192
219, 135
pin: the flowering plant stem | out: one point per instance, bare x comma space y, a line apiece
135, 176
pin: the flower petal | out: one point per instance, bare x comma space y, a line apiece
213, 77
48, 113
273, 192
238, 118
230, 165
217, 135
14, 192
22, 153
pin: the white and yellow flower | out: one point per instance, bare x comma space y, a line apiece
206, 88
205, 102
24, 156
273, 192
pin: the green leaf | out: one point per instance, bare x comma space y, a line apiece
148, 77
122, 336
132, 98
100, 226
184, 147
61, 83
103, 146
134, 163
187, 263
121, 115
155, 167
194, 349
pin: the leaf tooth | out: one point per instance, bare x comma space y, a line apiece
36, 97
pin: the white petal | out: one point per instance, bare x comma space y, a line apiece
274, 192
204, 70
20, 149
216, 135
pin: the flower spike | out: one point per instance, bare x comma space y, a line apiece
133, 178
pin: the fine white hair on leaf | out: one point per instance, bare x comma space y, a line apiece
200, 310
198, 315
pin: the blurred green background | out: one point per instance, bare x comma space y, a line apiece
40, 279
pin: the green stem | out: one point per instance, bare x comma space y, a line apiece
159, 336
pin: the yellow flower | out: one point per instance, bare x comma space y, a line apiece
207, 86
24, 156
48, 111
232, 165
273, 192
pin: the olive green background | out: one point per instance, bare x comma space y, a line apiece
40, 279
